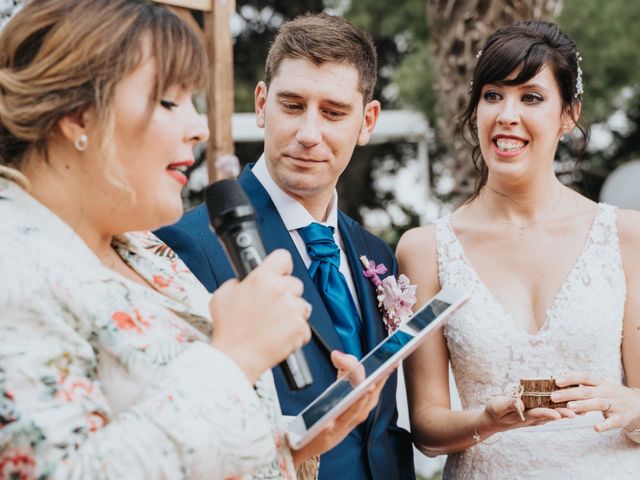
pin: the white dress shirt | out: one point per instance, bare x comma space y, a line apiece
295, 216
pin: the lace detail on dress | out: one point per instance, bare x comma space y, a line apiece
489, 354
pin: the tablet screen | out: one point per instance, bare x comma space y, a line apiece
390, 350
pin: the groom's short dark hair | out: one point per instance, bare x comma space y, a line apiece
321, 38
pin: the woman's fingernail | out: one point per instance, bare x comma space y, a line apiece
571, 405
555, 397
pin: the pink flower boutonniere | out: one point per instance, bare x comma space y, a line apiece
396, 297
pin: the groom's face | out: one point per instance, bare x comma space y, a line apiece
313, 116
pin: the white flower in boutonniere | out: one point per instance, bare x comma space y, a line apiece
396, 297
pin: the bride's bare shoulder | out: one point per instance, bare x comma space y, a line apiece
417, 255
418, 241
628, 223
423, 240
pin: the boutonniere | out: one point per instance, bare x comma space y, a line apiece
395, 296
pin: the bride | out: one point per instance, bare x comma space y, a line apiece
554, 279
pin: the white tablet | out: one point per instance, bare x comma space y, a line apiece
344, 392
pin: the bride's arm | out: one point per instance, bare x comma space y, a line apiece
630, 246
435, 428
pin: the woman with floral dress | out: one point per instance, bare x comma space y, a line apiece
114, 360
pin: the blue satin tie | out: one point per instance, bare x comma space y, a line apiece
326, 275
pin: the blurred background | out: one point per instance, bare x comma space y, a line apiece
418, 167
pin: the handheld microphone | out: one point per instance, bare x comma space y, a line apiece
233, 218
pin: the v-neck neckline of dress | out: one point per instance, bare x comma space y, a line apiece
506, 314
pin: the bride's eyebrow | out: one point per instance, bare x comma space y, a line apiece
531, 86
521, 86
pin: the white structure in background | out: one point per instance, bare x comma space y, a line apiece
393, 125
622, 186
410, 184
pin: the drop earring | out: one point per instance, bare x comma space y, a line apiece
81, 143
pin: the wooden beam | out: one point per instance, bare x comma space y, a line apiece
220, 91
205, 5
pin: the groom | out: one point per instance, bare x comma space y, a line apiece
315, 106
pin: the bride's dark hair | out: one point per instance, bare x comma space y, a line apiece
525, 47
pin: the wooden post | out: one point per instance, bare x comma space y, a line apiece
220, 91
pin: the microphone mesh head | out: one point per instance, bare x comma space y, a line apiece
226, 200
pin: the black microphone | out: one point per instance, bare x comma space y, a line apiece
233, 218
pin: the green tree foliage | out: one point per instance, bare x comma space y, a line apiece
399, 31
608, 37
416, 71
605, 31
259, 21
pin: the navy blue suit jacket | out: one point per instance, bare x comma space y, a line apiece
378, 449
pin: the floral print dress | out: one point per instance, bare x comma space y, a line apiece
105, 378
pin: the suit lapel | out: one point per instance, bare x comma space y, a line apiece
373, 328
275, 235
355, 246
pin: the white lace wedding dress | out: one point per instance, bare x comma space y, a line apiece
490, 353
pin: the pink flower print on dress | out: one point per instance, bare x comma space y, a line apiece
71, 388
124, 321
95, 421
162, 282
178, 267
18, 463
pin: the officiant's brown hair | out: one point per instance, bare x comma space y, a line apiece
63, 56
321, 38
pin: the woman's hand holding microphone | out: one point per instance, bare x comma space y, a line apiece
260, 320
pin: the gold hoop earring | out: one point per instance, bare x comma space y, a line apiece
81, 143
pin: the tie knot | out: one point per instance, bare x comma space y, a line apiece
320, 244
